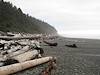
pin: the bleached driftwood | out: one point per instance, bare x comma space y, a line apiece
10, 69
26, 56
23, 50
10, 55
14, 49
24, 43
20, 58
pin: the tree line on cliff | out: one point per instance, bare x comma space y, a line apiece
12, 19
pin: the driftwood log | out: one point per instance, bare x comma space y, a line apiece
73, 46
23, 50
14, 49
20, 58
26, 56
51, 43
10, 55
10, 69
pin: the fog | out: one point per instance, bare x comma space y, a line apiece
74, 18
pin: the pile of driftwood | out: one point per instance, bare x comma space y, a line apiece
19, 53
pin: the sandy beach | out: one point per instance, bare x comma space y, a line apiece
83, 60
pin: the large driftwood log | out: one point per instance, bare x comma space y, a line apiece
20, 58
26, 56
23, 50
10, 55
10, 69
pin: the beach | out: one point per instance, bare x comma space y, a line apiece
83, 60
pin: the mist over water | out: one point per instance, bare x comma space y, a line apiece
90, 34
81, 36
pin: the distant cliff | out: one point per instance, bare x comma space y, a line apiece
14, 20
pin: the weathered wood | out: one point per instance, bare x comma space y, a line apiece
10, 69
23, 43
10, 55
23, 50
51, 66
73, 46
51, 43
26, 56
14, 49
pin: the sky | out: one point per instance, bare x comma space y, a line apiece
76, 18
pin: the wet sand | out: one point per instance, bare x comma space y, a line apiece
84, 60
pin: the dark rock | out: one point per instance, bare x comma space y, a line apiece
73, 46
50, 43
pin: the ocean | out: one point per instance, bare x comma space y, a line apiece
84, 36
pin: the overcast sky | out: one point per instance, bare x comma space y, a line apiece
67, 16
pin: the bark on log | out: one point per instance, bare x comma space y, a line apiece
26, 56
10, 69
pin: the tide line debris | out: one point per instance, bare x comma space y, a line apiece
21, 51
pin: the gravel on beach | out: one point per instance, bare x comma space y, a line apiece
83, 60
